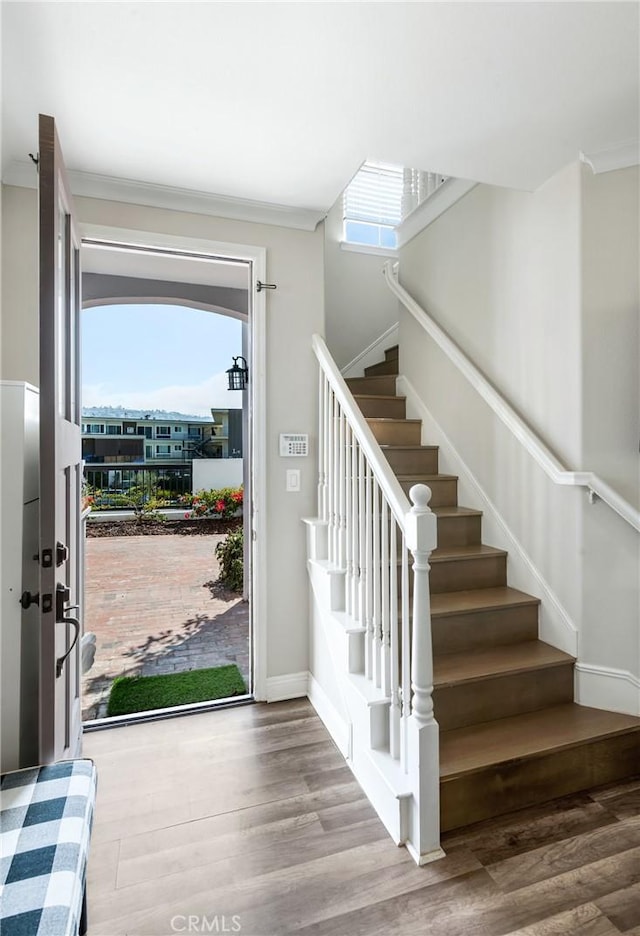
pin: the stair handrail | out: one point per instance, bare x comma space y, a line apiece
389, 484
550, 464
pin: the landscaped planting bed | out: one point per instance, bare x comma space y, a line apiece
204, 526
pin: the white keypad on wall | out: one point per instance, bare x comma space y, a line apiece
293, 443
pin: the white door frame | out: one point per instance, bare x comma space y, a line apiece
256, 257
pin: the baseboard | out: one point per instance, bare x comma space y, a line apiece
336, 725
289, 686
557, 627
604, 688
373, 354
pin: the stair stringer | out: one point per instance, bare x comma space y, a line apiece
556, 626
381, 777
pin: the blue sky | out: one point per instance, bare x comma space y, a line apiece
158, 357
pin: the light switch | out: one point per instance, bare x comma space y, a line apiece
293, 479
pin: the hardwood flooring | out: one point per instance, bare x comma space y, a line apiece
247, 820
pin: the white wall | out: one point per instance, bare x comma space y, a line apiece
511, 277
208, 473
359, 307
611, 412
610, 327
294, 312
499, 272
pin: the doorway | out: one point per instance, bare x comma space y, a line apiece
153, 276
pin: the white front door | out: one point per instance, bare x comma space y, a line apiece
60, 547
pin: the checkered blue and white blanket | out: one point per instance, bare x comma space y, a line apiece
45, 825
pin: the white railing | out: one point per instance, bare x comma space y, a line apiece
417, 186
551, 465
382, 542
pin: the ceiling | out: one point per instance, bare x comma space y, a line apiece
281, 102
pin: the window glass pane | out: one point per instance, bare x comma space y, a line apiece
388, 237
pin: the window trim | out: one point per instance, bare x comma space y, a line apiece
352, 247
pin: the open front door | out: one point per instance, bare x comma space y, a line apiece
60, 551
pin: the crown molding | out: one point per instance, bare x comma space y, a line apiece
92, 185
620, 156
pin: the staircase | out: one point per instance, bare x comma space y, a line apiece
510, 734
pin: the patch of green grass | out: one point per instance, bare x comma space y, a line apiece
131, 694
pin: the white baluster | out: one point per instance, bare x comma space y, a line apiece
395, 711
384, 595
405, 651
355, 526
348, 520
330, 475
368, 572
342, 484
377, 605
322, 383
335, 471
408, 200
362, 526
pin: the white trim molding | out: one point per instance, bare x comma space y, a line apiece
607, 688
371, 354
257, 258
289, 686
367, 249
432, 207
621, 156
132, 192
337, 726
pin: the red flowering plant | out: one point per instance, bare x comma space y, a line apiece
223, 503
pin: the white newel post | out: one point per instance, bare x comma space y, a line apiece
422, 740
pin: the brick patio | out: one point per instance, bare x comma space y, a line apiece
155, 607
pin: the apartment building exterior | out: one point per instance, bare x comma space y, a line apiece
117, 444
132, 437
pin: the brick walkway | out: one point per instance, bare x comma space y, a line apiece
155, 607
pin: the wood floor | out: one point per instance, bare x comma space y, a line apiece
247, 820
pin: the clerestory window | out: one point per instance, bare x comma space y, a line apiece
372, 205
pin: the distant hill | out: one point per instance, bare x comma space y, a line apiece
119, 412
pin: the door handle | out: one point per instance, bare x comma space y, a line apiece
63, 593
61, 660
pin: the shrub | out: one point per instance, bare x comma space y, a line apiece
222, 503
230, 555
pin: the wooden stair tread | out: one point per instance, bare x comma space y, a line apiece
473, 551
466, 750
425, 478
385, 446
376, 397
479, 599
391, 419
451, 510
492, 661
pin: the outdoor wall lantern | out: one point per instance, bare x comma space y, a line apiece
238, 376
